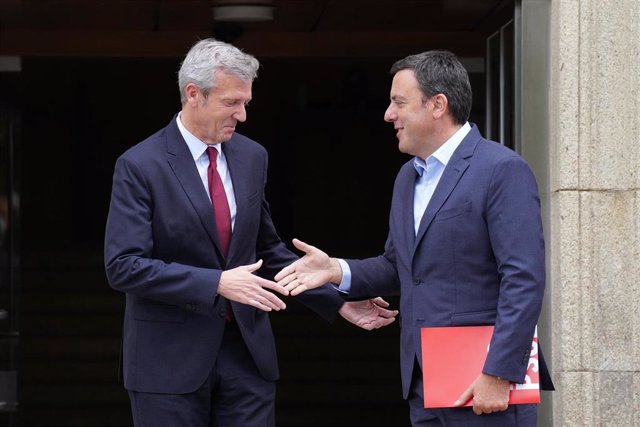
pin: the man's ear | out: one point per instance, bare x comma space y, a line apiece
440, 105
192, 94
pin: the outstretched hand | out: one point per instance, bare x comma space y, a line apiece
241, 285
369, 314
311, 271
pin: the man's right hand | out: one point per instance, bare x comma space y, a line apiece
311, 271
241, 285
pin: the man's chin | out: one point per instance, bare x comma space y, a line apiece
227, 136
402, 148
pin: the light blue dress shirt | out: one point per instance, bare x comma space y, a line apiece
429, 173
198, 150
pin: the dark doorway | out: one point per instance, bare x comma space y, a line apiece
9, 262
332, 164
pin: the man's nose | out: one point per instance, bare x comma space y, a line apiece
241, 113
390, 115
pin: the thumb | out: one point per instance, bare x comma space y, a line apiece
253, 267
300, 245
464, 397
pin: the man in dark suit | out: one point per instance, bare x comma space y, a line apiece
465, 243
188, 226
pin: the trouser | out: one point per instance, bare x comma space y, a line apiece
234, 394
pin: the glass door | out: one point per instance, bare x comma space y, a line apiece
500, 73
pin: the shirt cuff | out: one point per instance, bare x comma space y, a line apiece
345, 284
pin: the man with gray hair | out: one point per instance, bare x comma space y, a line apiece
188, 227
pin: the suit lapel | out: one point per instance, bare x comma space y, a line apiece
238, 170
406, 190
181, 161
448, 181
454, 170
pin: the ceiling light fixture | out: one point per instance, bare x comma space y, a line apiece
243, 10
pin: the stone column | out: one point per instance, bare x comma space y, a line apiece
594, 121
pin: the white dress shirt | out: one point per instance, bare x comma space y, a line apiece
430, 171
198, 150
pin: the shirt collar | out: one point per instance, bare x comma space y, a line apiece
444, 152
196, 146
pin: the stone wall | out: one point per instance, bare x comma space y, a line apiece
595, 211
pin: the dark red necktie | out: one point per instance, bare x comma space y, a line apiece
221, 211
220, 202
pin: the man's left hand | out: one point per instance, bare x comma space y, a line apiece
369, 314
489, 394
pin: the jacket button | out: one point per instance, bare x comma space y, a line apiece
221, 312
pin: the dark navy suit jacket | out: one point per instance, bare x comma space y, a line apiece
162, 251
478, 257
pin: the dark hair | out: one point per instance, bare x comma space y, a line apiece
440, 71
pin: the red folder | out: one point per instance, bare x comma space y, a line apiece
453, 357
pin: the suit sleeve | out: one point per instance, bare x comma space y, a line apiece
376, 276
129, 246
516, 236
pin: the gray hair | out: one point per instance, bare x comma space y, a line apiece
209, 56
440, 71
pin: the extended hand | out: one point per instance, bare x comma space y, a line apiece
239, 284
369, 314
489, 394
311, 271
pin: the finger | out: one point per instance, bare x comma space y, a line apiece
367, 326
377, 323
291, 285
304, 247
268, 299
464, 397
380, 302
268, 284
285, 280
253, 267
287, 271
387, 322
382, 312
257, 304
298, 290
